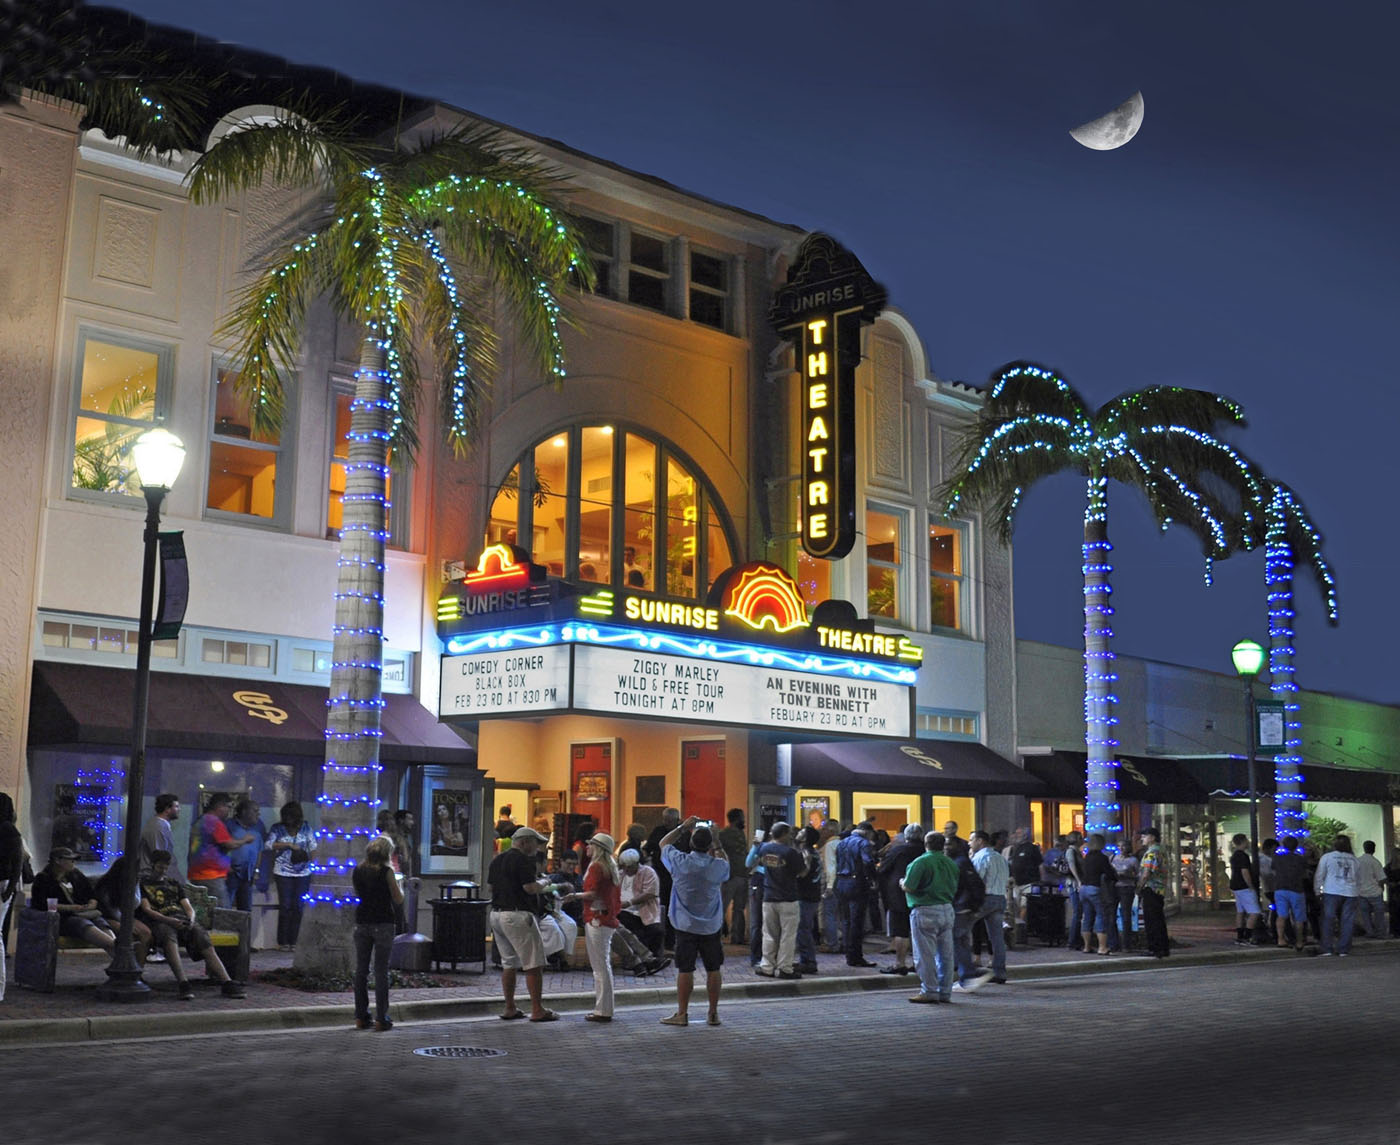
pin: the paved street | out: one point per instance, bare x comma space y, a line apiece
1197, 1053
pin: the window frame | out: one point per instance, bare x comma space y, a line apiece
726, 296
903, 515
165, 384
627, 236
963, 532
611, 258
284, 495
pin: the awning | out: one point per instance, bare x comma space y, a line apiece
941, 767
91, 704
1141, 779
1230, 776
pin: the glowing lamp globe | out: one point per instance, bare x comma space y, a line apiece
1248, 657
159, 454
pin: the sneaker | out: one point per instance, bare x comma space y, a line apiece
789, 975
808, 968
233, 990
660, 964
186, 992
1325, 954
999, 981
764, 973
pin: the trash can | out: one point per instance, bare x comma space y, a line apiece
459, 925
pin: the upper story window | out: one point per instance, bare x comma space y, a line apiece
122, 388
597, 503
396, 484
709, 289
648, 271
243, 462
884, 563
947, 543
658, 272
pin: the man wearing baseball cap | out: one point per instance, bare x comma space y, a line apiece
515, 927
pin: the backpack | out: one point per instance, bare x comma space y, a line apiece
972, 891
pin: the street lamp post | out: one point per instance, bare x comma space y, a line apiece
158, 454
1249, 659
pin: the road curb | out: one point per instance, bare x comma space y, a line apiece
105, 1027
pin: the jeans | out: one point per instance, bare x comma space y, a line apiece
780, 921
1126, 921
216, 887
807, 933
931, 927
850, 896
290, 888
993, 912
1075, 905
376, 938
755, 926
736, 892
1331, 905
1093, 914
598, 939
1370, 913
832, 928
962, 944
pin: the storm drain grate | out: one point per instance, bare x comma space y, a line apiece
458, 1052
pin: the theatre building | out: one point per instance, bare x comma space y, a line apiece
647, 586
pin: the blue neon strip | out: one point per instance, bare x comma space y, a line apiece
703, 648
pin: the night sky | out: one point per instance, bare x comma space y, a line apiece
1244, 242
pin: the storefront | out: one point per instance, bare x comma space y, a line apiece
613, 703
206, 734
926, 781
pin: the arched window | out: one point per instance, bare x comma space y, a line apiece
602, 503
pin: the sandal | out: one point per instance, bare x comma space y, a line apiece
712, 1020
513, 1016
597, 1017
547, 1016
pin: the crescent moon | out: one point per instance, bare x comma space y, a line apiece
1115, 128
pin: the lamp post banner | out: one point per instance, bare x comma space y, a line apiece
174, 587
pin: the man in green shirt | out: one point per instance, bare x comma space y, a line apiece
929, 885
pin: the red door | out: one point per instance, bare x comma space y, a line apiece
591, 782
702, 779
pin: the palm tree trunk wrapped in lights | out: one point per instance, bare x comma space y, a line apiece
421, 243
1289, 531
1160, 440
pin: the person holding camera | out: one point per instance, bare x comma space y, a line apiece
291, 842
697, 913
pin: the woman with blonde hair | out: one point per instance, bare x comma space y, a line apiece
602, 899
378, 892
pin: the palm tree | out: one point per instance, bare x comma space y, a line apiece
1289, 535
1161, 441
422, 243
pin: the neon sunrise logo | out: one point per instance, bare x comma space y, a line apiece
764, 595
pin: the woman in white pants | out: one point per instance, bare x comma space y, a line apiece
602, 898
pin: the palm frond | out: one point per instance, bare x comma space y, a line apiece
1287, 513
302, 146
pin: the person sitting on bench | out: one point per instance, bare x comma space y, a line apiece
79, 916
170, 916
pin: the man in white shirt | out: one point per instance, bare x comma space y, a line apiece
1370, 905
995, 872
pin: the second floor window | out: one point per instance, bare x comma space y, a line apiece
946, 542
122, 387
884, 563
396, 485
243, 461
597, 503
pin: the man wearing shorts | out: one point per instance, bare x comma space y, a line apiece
515, 927
1246, 893
697, 914
1290, 895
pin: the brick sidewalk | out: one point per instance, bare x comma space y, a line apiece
1199, 937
